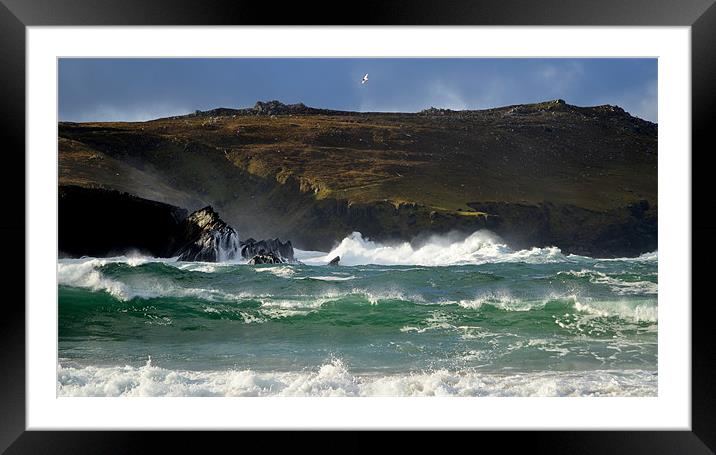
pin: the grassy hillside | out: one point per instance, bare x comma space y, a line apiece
312, 175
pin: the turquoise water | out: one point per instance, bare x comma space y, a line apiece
515, 323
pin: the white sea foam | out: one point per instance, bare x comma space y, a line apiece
651, 256
499, 299
328, 278
296, 303
642, 312
623, 309
374, 296
85, 274
480, 247
198, 267
438, 320
618, 286
281, 271
335, 379
250, 318
283, 306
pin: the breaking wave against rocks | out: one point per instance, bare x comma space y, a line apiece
462, 317
478, 248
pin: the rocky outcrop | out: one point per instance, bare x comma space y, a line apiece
206, 237
432, 111
262, 108
283, 251
278, 108
265, 258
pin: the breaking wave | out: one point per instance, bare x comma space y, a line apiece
631, 297
333, 378
617, 285
522, 323
86, 274
478, 248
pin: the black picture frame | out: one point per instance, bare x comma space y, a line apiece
16, 15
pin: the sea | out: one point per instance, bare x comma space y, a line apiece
449, 316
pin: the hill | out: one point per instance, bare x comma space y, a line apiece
581, 178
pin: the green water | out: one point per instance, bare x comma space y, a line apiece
573, 317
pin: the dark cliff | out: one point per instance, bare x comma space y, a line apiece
100, 223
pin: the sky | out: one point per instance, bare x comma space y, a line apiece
112, 89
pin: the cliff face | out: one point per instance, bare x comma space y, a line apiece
102, 223
581, 178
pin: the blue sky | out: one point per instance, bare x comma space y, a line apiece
143, 89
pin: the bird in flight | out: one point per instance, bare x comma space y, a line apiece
365, 79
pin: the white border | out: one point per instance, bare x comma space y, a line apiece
671, 410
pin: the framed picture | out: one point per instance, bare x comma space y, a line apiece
422, 217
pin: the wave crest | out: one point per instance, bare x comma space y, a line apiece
478, 248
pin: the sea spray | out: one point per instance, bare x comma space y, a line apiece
478, 248
227, 245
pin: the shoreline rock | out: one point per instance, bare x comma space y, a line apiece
266, 258
207, 238
251, 248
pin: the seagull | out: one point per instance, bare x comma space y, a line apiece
365, 79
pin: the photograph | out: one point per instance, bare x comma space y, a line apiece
425, 217
357, 227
